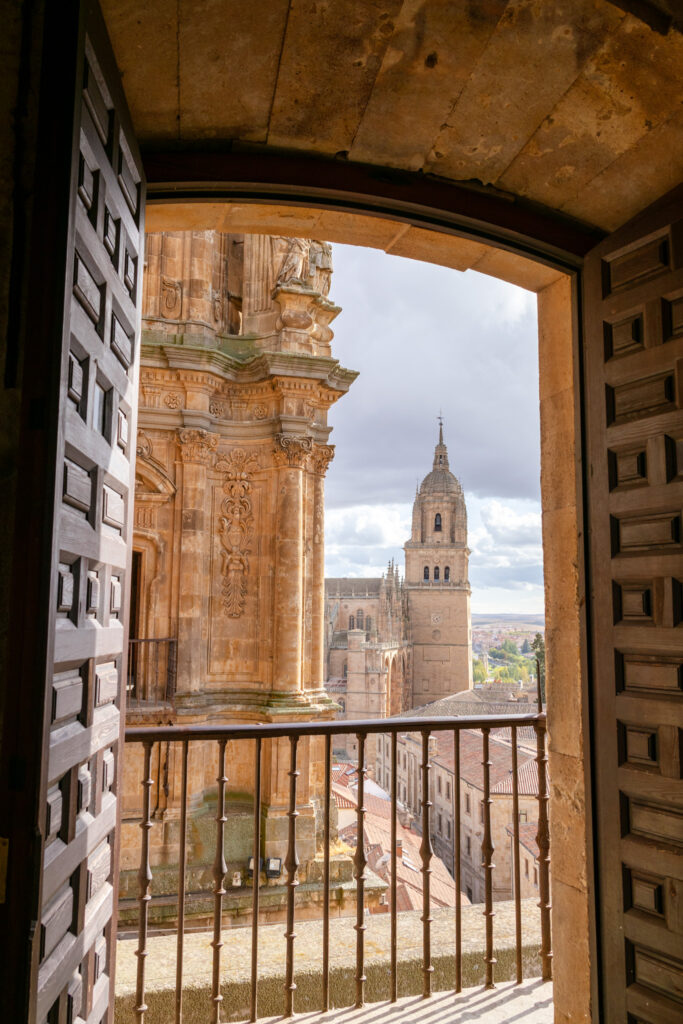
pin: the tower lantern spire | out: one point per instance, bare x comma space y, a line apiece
440, 452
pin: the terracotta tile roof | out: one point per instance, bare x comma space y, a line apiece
343, 796
527, 836
342, 772
527, 780
471, 767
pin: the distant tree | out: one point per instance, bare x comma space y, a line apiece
526, 646
510, 646
478, 671
538, 646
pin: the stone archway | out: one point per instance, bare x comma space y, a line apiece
559, 454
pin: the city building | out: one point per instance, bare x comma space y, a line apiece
443, 782
392, 643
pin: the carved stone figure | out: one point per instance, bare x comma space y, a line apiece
320, 261
290, 261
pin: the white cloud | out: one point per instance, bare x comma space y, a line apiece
424, 339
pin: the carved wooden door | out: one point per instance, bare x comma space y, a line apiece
95, 446
634, 400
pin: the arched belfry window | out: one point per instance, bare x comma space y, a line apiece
425, 575
447, 573
352, 622
368, 623
359, 619
436, 572
437, 523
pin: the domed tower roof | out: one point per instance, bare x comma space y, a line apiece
440, 480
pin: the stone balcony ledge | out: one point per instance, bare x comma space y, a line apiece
236, 963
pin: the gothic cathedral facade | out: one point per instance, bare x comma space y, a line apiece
393, 644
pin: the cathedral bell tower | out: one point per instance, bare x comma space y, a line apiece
437, 585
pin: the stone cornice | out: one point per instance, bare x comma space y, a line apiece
252, 367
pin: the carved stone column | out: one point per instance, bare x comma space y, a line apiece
196, 449
290, 455
320, 459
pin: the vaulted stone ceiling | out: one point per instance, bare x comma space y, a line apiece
574, 104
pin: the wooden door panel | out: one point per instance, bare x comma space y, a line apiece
94, 475
634, 420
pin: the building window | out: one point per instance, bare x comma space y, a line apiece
404, 759
436, 572
345, 670
535, 876
437, 523
468, 846
481, 812
352, 622
469, 893
448, 828
448, 790
425, 574
526, 868
440, 826
447, 573
438, 785
522, 816
368, 623
359, 619
468, 807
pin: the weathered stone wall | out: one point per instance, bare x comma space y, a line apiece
567, 694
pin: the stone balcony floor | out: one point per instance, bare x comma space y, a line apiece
528, 1003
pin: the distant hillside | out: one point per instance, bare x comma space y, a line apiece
507, 619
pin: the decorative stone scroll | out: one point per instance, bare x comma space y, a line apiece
321, 457
292, 450
196, 445
236, 526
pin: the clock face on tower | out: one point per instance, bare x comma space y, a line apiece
436, 618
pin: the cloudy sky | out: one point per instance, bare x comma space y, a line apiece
427, 339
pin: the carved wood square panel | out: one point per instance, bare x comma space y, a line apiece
633, 397
85, 688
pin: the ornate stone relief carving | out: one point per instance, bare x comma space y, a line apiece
292, 450
236, 526
217, 408
171, 298
260, 412
173, 400
196, 445
143, 448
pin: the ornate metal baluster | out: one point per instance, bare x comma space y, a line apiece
359, 874
457, 872
543, 841
515, 857
426, 852
487, 850
326, 875
182, 868
144, 882
219, 870
394, 795
291, 864
256, 880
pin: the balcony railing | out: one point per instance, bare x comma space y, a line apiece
221, 736
152, 666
